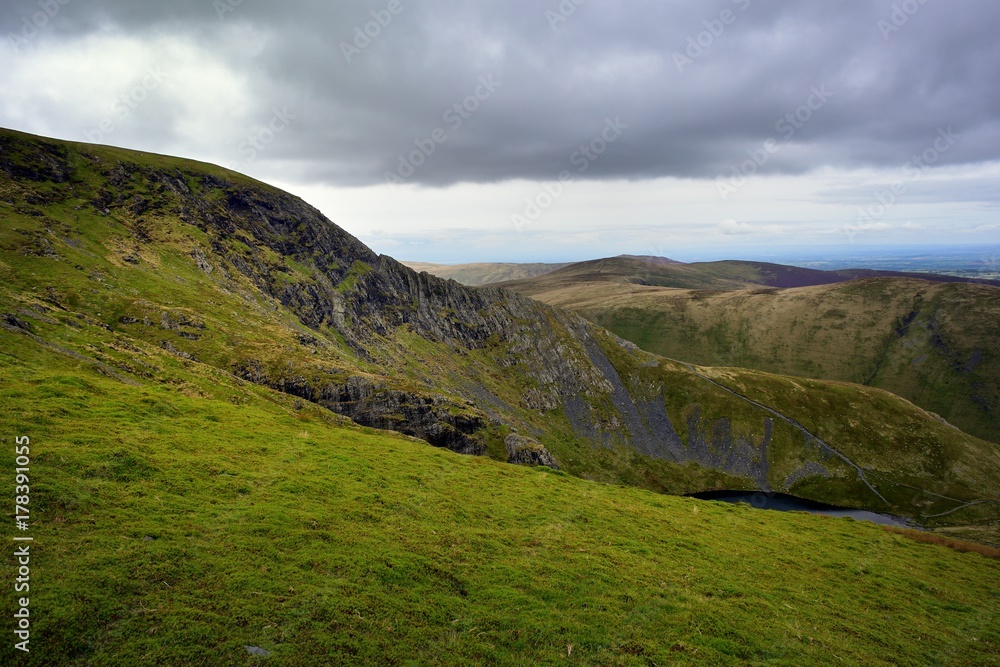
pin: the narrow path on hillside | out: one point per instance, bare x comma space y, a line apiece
962, 507
793, 423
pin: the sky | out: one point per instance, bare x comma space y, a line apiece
548, 130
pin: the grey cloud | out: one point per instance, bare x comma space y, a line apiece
925, 189
355, 119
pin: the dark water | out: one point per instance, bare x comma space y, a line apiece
785, 503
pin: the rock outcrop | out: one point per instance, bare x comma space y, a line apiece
525, 451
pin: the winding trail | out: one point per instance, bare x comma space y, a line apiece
962, 507
794, 424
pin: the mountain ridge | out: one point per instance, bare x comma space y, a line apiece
221, 270
721, 275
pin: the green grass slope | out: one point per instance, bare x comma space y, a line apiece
184, 515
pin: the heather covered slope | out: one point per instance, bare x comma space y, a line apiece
213, 268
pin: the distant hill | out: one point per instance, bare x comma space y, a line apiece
930, 339
492, 273
483, 274
652, 259
724, 275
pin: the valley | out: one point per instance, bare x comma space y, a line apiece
506, 334
929, 341
252, 430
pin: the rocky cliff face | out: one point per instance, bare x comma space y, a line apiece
562, 367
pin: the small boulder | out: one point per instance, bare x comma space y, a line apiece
525, 451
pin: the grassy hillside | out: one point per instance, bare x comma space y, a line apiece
934, 344
484, 273
181, 515
108, 253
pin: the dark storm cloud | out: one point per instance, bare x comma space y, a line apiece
698, 84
